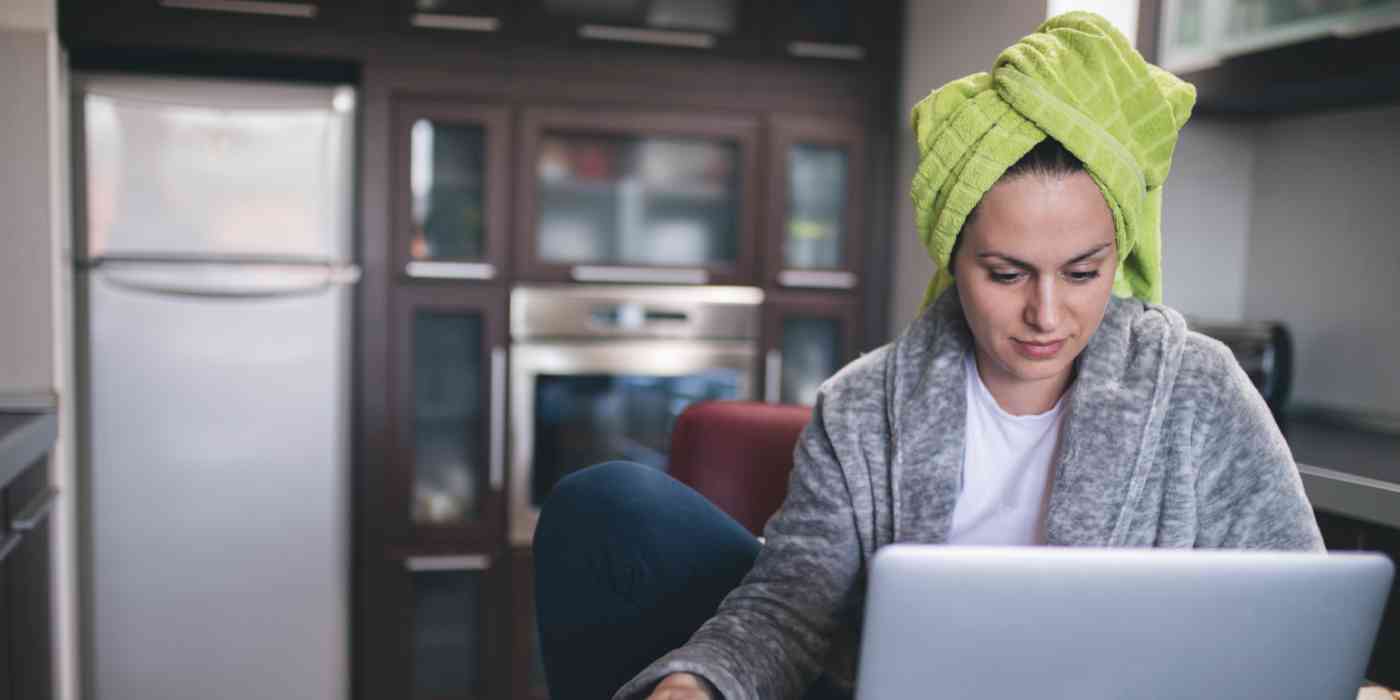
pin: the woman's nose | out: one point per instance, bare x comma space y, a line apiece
1042, 308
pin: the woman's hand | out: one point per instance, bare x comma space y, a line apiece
683, 686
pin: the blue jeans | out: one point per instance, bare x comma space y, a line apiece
628, 564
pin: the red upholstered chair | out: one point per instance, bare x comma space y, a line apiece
738, 454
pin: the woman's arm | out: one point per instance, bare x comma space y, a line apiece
771, 634
1248, 489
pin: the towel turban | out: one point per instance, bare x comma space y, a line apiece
1076, 80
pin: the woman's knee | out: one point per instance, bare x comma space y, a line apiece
598, 497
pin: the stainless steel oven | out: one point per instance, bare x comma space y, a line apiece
600, 373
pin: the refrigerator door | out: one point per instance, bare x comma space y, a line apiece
216, 168
218, 486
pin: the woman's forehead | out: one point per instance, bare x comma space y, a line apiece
1040, 216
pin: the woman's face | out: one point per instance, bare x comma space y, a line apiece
1034, 271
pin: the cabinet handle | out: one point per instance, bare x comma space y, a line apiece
36, 512
461, 23
429, 269
773, 376
8, 545
825, 279
470, 562
498, 418
246, 7
656, 37
816, 49
647, 275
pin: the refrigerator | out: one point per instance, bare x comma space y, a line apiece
214, 283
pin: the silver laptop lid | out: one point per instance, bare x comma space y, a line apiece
1092, 624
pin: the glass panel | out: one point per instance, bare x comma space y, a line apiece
471, 8
825, 20
446, 635
715, 16
1253, 16
811, 353
447, 417
637, 201
816, 207
447, 164
585, 419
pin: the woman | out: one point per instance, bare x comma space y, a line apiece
1044, 396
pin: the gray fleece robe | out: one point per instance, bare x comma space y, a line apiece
1166, 444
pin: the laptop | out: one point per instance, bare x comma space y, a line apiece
973, 623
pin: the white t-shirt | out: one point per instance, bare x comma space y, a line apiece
1007, 467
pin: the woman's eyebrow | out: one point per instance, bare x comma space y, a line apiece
1027, 266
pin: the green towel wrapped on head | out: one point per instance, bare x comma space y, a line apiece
1076, 80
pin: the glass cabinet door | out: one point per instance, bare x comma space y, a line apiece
637, 198
448, 474
809, 337
450, 190
815, 213
449, 629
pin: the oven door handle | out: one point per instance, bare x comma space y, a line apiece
498, 418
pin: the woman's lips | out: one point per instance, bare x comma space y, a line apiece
1038, 351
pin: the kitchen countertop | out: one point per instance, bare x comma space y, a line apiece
24, 438
1348, 471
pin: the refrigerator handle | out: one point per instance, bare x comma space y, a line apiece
334, 276
498, 418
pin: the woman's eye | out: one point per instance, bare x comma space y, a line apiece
1084, 276
1005, 277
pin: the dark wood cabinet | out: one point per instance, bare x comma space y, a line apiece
831, 30
526, 664
637, 196
439, 626
816, 217
723, 27
450, 189
808, 336
447, 473
26, 634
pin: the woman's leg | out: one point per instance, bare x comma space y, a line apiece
628, 564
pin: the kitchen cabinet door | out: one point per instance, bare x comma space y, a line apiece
450, 189
816, 172
807, 337
465, 17
437, 629
326, 28
447, 480
526, 663
707, 26
30, 500
832, 30
631, 196
8, 543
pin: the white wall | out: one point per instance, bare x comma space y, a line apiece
1206, 219
26, 221
35, 276
943, 40
1324, 252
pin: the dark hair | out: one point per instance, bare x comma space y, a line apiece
1048, 158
